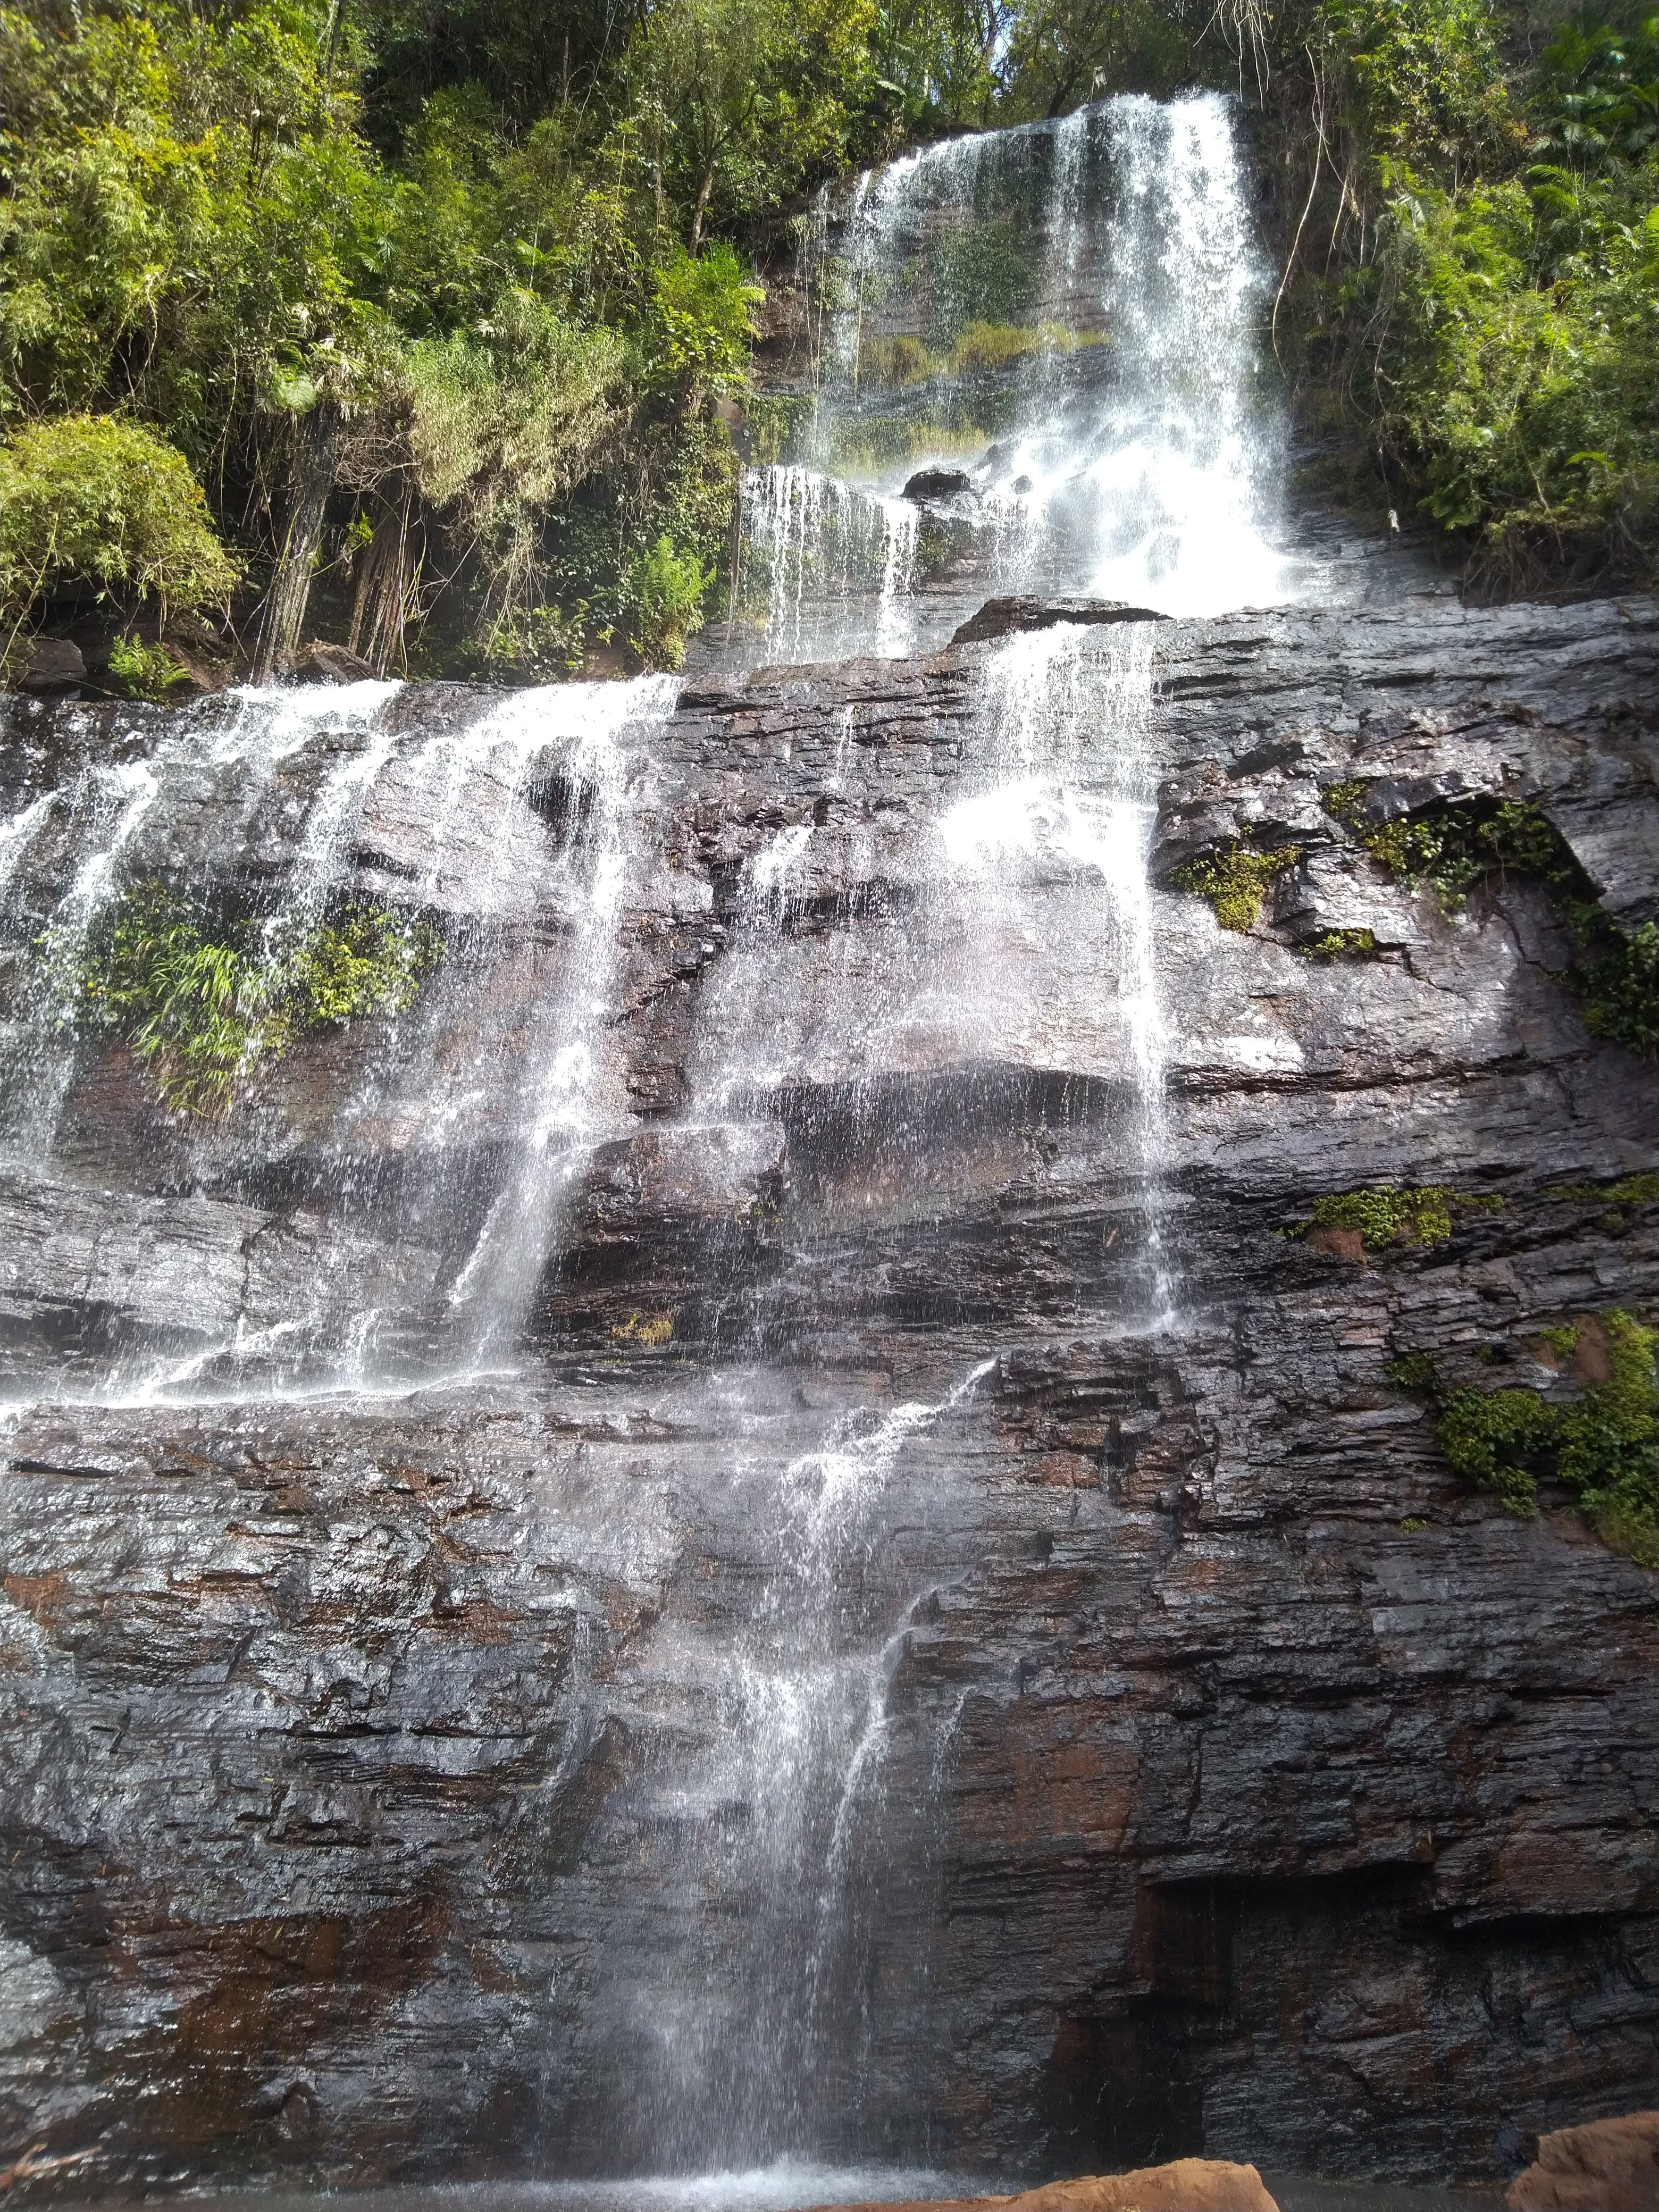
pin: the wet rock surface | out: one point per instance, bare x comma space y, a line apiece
1246, 1782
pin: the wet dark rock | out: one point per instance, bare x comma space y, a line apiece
1002, 617
938, 484
53, 665
1250, 1784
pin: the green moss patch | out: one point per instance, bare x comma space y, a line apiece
1236, 882
1421, 1216
1603, 1446
1342, 945
204, 1004
1453, 848
1631, 1190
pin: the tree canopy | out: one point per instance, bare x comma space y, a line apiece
442, 303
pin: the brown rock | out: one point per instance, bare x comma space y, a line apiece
1346, 1243
318, 662
1607, 2166
1592, 1354
1185, 2184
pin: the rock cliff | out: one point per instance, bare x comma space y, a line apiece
1236, 1778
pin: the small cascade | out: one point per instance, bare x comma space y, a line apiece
1047, 348
749, 2003
568, 1090
825, 550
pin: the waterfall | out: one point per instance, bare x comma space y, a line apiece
1041, 375
1052, 336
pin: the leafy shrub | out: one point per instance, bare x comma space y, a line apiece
1604, 1447
1594, 94
92, 500
1421, 1216
203, 1010
705, 308
1522, 360
1428, 74
143, 671
666, 588
1236, 882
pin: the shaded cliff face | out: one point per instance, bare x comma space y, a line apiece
406, 1779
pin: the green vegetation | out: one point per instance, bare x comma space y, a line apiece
1415, 1374
1472, 263
1236, 882
86, 501
1455, 846
203, 1005
143, 671
1417, 1216
1342, 945
418, 319
1631, 1190
1345, 802
1603, 1446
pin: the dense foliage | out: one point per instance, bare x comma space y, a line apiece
427, 319
1471, 299
205, 1003
443, 305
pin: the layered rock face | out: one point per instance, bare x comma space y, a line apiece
934, 1631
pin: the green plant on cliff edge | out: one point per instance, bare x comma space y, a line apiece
203, 1006
1457, 845
1603, 1446
1421, 1216
1342, 945
1236, 882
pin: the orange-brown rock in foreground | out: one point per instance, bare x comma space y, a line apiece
1185, 2184
1607, 2166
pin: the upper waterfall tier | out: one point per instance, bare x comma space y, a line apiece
1030, 361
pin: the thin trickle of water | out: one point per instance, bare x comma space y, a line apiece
749, 2032
569, 1090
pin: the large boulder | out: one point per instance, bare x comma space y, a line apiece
55, 666
1607, 2166
1185, 2184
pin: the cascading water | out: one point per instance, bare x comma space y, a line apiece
466, 1116
1042, 373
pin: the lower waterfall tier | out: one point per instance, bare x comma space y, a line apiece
949, 1633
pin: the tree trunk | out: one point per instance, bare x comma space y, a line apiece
380, 610
310, 480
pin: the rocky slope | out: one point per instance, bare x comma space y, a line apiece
1236, 1778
